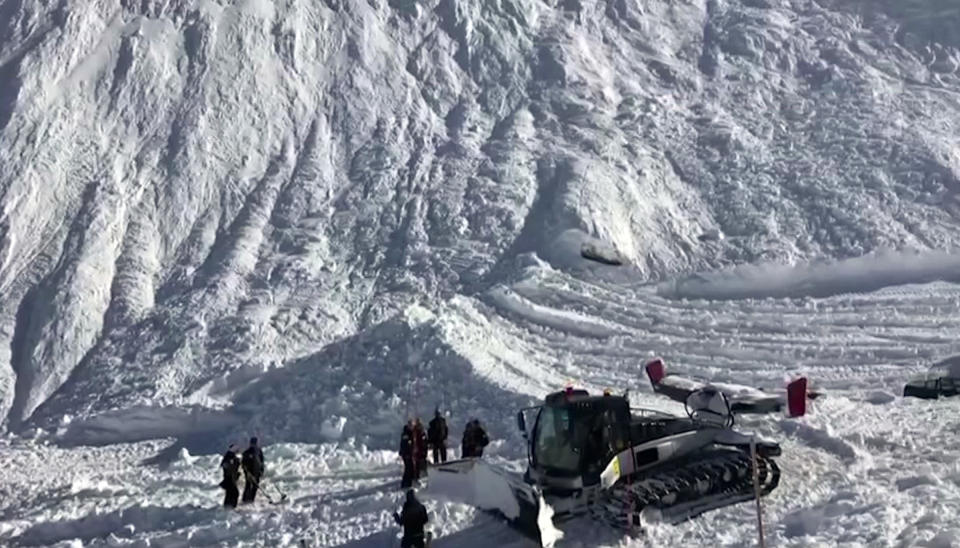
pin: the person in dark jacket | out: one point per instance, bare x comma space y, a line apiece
480, 439
437, 437
419, 448
412, 518
406, 453
474, 439
230, 464
253, 469
466, 444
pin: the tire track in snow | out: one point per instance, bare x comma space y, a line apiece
840, 338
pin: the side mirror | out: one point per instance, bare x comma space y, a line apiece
522, 423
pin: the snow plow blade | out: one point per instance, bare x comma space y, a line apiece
474, 482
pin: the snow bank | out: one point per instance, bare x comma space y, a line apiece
879, 397
366, 386
561, 320
122, 523
817, 279
144, 423
821, 439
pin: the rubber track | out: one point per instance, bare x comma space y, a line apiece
723, 475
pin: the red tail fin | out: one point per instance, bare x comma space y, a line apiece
656, 371
797, 397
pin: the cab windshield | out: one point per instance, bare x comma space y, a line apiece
560, 438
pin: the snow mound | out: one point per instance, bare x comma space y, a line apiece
822, 438
915, 481
122, 523
145, 423
509, 301
879, 397
404, 366
818, 279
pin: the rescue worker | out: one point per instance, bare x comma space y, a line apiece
466, 444
406, 453
230, 464
412, 518
480, 439
474, 439
419, 448
253, 468
437, 437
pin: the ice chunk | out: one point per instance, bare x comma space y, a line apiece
332, 428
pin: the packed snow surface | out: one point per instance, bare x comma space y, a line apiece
310, 220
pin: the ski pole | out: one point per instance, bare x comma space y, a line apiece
257, 483
283, 496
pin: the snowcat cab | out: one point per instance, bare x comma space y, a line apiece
576, 435
593, 453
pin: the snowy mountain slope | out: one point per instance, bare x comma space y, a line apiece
190, 189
